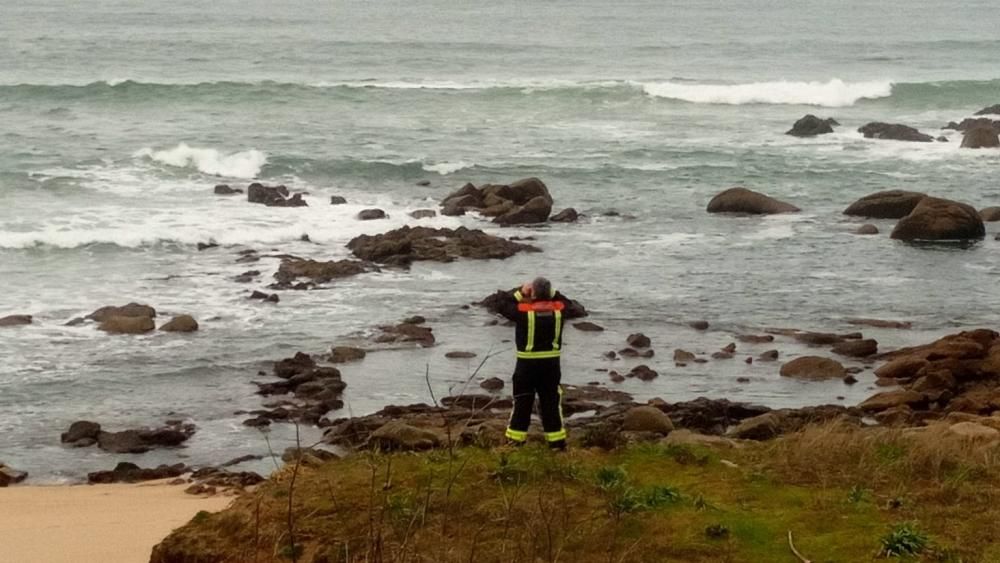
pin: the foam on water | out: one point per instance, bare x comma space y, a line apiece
445, 168
244, 164
835, 93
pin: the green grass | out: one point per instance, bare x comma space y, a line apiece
644, 503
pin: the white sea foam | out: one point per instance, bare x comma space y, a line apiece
445, 168
835, 93
245, 164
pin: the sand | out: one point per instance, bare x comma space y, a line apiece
93, 524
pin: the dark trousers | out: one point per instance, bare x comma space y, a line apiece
537, 377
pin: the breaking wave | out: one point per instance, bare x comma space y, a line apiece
244, 165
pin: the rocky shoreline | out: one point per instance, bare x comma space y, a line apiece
934, 381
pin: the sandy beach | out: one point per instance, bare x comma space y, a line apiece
93, 524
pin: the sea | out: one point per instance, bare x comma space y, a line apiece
117, 118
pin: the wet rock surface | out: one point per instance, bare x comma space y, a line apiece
810, 126
136, 441
936, 219
894, 132
403, 246
526, 201
891, 204
744, 201
16, 320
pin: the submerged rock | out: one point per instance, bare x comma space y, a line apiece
371, 214
16, 320
894, 132
991, 110
814, 368
223, 189
127, 325
742, 200
868, 229
568, 215
318, 272
987, 214
130, 310
423, 213
343, 354
181, 323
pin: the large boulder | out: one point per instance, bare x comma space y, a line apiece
130, 310
742, 200
259, 193
409, 244
814, 368
981, 138
126, 472
343, 354
371, 214
991, 110
127, 325
15, 320
973, 123
181, 323
536, 210
892, 204
894, 132
940, 219
647, 419
810, 126
396, 435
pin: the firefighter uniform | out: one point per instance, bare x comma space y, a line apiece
538, 339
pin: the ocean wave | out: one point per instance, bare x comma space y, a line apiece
445, 168
835, 93
831, 93
244, 165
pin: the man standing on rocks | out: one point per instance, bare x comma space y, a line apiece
537, 311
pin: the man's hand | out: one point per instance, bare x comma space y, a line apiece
527, 290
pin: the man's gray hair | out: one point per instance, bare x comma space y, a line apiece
541, 288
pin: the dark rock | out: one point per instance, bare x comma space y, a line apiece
289, 367
318, 272
730, 348
699, 325
15, 320
81, 430
223, 189
683, 356
813, 368
424, 183
742, 200
257, 422
755, 338
941, 139
587, 326
206, 245
423, 213
273, 298
258, 193
130, 310
769, 356
810, 126
891, 399
611, 355
850, 379
371, 214
856, 348
247, 277
722, 355
981, 138
892, 204
126, 472
242, 459
10, 476
181, 323
643, 373
337, 200
492, 384
407, 244
868, 229
972, 123
639, 340
894, 132
343, 354
127, 325
460, 355
991, 110
406, 332
879, 323
568, 215
536, 210
940, 219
